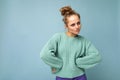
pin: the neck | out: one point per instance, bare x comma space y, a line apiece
70, 34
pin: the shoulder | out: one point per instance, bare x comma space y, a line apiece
56, 36
84, 39
81, 37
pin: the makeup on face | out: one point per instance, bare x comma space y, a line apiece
73, 25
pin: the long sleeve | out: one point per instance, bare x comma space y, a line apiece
49, 53
91, 58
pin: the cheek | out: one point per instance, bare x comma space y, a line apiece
71, 28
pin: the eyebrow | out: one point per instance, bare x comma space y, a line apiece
74, 23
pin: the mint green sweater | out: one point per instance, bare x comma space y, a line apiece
70, 56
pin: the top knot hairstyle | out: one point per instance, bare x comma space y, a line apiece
66, 12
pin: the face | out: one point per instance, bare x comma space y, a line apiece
73, 25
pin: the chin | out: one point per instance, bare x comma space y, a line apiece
76, 33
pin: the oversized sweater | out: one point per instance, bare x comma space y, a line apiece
70, 56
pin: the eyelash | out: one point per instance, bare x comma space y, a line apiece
78, 23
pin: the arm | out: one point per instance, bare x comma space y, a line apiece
48, 53
91, 58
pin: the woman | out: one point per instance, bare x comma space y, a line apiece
67, 53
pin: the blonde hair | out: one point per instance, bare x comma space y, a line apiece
66, 12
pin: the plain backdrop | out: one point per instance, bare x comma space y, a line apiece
26, 25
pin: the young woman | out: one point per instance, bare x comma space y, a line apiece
68, 53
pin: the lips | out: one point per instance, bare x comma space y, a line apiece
77, 30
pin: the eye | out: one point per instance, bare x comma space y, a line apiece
72, 25
78, 23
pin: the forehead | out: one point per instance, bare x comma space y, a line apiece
73, 18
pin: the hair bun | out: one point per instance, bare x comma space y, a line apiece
66, 10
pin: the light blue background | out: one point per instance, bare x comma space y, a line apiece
26, 25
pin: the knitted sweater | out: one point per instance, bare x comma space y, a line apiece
70, 56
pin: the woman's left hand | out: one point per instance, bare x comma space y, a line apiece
53, 70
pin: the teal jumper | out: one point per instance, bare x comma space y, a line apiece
70, 56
